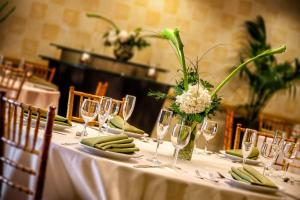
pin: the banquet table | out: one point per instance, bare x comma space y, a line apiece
39, 96
73, 173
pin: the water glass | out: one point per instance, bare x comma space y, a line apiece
128, 107
104, 109
248, 143
89, 110
114, 110
163, 123
180, 138
209, 130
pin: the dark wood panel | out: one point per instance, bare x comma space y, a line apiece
85, 79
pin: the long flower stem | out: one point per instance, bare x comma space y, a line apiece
104, 19
241, 66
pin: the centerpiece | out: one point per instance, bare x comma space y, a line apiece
123, 41
195, 98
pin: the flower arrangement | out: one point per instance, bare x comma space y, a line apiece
123, 41
195, 98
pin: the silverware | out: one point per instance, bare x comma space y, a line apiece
58, 132
213, 179
69, 143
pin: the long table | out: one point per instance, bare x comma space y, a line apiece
75, 174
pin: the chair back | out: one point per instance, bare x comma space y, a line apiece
101, 88
16, 120
41, 71
12, 80
268, 122
261, 137
11, 62
75, 101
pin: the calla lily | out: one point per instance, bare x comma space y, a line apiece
173, 36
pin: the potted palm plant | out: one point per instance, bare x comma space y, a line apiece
265, 76
5, 12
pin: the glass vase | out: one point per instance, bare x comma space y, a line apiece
123, 52
187, 152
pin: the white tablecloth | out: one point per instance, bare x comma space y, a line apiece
39, 97
75, 174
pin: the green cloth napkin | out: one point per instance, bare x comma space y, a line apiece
128, 145
264, 181
118, 122
239, 153
123, 150
57, 118
102, 139
250, 175
114, 143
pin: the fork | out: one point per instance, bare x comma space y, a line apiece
205, 178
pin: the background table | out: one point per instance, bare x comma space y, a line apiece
39, 96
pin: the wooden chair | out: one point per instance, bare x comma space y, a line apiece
76, 99
269, 122
11, 62
101, 89
260, 134
265, 135
12, 130
40, 70
12, 80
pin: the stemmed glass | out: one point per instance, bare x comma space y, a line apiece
104, 109
269, 152
180, 138
89, 110
128, 109
114, 110
163, 123
209, 130
248, 143
289, 154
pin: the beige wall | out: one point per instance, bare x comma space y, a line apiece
203, 24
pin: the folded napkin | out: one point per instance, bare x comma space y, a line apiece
114, 143
57, 118
118, 122
239, 153
250, 175
92, 141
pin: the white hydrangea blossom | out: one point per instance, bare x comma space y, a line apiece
112, 36
123, 36
195, 100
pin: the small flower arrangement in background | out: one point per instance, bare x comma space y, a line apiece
123, 41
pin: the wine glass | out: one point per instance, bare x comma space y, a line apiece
114, 110
269, 152
248, 143
180, 138
104, 108
89, 110
163, 123
128, 109
290, 151
209, 130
